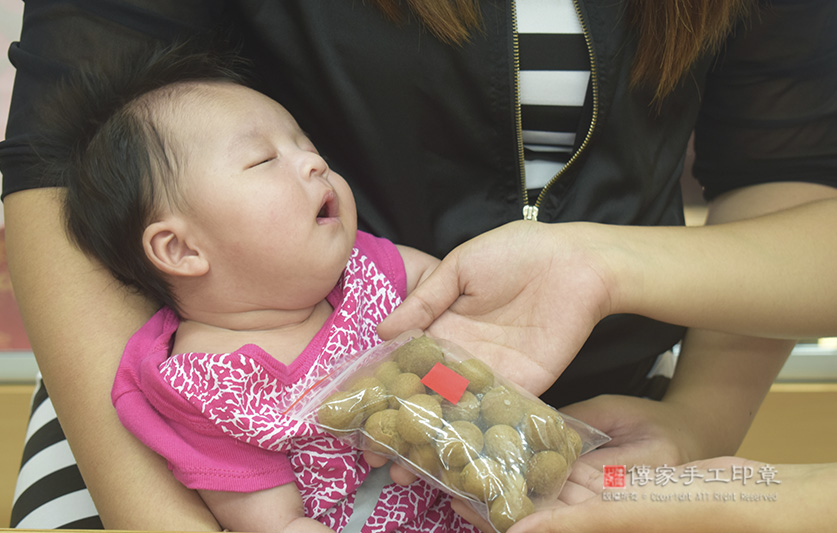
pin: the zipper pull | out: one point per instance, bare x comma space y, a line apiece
530, 212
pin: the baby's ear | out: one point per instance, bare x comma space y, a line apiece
167, 248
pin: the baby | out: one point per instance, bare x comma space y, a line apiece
206, 195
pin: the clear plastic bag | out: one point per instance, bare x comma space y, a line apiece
430, 406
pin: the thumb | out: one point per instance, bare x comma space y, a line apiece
432, 297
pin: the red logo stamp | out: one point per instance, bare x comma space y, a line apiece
614, 476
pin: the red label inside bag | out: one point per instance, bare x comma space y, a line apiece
445, 382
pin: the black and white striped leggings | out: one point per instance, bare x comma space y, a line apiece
50, 493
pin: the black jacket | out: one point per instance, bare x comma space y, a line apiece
426, 133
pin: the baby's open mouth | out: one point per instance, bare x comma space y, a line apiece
328, 209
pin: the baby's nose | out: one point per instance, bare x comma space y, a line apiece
314, 165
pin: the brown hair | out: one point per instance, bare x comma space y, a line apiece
672, 33
449, 20
109, 150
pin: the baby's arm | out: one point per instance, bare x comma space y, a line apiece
276, 509
417, 264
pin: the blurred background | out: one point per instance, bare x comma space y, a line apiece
10, 12
797, 422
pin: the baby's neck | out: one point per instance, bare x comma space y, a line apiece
283, 334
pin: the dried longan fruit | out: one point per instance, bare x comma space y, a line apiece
403, 386
418, 356
507, 509
452, 478
387, 371
482, 478
374, 396
467, 408
383, 436
575, 443
425, 457
458, 443
501, 405
544, 429
546, 473
342, 412
419, 419
514, 483
366, 382
480, 377
504, 444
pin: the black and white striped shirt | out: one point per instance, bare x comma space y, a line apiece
554, 79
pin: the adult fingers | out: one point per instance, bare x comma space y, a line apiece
467, 511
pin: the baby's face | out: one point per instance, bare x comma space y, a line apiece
259, 199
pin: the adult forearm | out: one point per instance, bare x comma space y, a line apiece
78, 320
752, 282
720, 383
769, 276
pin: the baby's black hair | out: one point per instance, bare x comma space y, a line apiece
116, 165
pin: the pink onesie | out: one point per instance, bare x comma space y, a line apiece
219, 420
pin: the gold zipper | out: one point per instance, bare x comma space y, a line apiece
518, 118
530, 212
